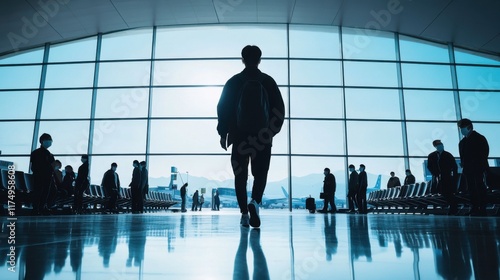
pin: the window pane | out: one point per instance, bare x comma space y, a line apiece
429, 105
370, 74
185, 102
492, 134
199, 171
79, 50
100, 164
466, 56
374, 138
307, 72
307, 176
19, 77
381, 167
16, 137
280, 141
359, 44
372, 104
130, 73
18, 104
413, 49
278, 69
220, 41
211, 72
21, 163
122, 103
314, 41
418, 169
421, 135
138, 44
209, 172
184, 136
480, 105
426, 76
316, 102
29, 56
473, 77
70, 137
317, 137
128, 137
70, 75
66, 104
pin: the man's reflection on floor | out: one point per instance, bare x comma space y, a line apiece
62, 233
260, 269
108, 232
137, 241
451, 250
483, 246
38, 257
76, 245
360, 240
331, 241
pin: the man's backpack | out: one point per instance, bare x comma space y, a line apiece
252, 114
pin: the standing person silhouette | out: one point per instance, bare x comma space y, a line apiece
474, 151
42, 165
443, 168
111, 184
81, 185
361, 194
250, 113
135, 188
195, 201
329, 188
353, 189
183, 197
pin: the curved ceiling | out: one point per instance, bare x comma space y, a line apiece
470, 24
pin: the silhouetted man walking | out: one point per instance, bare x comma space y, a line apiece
250, 113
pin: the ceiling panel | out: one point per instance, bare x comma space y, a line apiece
315, 11
407, 17
469, 24
465, 24
494, 44
277, 11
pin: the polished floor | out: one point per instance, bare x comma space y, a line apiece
212, 245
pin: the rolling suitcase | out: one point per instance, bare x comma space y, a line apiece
311, 204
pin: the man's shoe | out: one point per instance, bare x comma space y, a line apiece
244, 220
253, 210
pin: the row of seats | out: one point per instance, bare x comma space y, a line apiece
94, 195
422, 198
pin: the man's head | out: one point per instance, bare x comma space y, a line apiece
114, 166
251, 55
351, 167
84, 158
45, 140
326, 171
392, 174
135, 163
438, 145
68, 169
143, 164
465, 126
57, 164
408, 172
362, 167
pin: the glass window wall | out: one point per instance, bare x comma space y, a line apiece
347, 101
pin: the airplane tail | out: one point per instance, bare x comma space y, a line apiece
284, 192
377, 185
